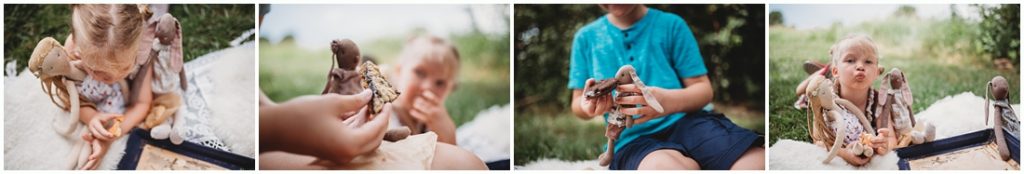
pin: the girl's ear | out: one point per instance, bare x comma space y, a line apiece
834, 71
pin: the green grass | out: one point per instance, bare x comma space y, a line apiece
560, 136
206, 28
934, 70
287, 71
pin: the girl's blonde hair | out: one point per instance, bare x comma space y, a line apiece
109, 33
840, 47
432, 48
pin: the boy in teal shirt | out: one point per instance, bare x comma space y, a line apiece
665, 54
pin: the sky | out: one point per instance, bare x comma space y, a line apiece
823, 15
313, 26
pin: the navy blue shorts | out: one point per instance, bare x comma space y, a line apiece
711, 139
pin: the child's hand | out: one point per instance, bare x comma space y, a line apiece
99, 148
853, 159
428, 108
97, 126
632, 95
882, 141
595, 106
315, 126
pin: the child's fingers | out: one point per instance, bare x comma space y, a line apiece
348, 103
431, 98
637, 110
601, 105
586, 85
419, 115
95, 150
88, 165
628, 88
87, 136
94, 127
631, 100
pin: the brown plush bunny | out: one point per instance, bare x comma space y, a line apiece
616, 120
350, 77
344, 79
998, 88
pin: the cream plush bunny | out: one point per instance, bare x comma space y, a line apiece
169, 82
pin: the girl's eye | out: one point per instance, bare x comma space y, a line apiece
420, 73
440, 83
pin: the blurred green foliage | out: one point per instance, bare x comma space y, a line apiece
206, 27
1000, 31
940, 57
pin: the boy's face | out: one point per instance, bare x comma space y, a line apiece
421, 75
857, 67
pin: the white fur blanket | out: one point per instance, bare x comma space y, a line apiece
487, 135
952, 116
30, 141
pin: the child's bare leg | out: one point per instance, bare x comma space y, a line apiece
449, 157
278, 160
667, 159
753, 159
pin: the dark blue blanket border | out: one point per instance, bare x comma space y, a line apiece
952, 144
138, 138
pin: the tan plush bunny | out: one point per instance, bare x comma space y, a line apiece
58, 75
826, 123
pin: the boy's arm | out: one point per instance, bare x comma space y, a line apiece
695, 96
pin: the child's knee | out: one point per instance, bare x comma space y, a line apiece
667, 159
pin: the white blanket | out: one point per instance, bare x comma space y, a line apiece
952, 116
30, 142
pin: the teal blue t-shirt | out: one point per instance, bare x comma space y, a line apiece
660, 46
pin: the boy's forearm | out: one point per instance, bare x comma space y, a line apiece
689, 99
